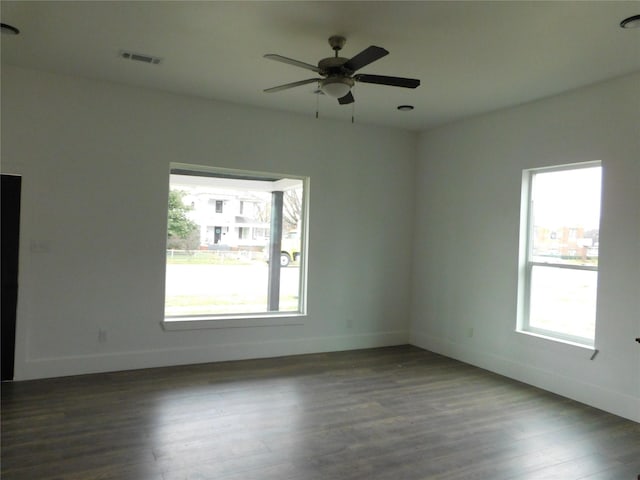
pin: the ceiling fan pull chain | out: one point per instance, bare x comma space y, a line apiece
353, 112
317, 100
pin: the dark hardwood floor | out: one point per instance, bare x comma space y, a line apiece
396, 413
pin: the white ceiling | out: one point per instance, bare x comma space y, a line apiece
472, 57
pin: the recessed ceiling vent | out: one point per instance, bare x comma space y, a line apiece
140, 57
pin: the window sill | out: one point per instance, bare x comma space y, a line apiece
585, 346
232, 321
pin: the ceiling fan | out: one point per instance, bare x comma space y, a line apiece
338, 74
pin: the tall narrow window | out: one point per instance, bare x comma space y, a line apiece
561, 221
220, 263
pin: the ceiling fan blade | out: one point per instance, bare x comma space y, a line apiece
290, 85
291, 61
365, 57
384, 80
347, 99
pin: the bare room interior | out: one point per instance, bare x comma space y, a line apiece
452, 190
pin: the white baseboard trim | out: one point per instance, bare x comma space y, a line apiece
118, 361
610, 401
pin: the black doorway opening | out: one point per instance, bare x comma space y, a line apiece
10, 233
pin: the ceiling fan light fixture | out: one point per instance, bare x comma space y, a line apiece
631, 22
336, 87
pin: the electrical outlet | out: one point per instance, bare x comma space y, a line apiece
470, 332
102, 336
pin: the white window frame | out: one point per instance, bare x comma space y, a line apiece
527, 263
258, 319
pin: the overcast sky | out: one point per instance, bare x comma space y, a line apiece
569, 198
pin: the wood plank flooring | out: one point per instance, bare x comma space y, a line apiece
397, 413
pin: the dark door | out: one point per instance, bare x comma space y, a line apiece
10, 234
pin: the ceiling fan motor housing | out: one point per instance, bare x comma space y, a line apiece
333, 66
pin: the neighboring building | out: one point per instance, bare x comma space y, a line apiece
227, 218
566, 242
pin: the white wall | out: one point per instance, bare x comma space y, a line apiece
95, 160
466, 241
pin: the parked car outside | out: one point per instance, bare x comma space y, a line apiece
290, 248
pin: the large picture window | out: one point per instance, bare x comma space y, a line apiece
235, 244
560, 220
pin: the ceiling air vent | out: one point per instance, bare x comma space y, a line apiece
140, 57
